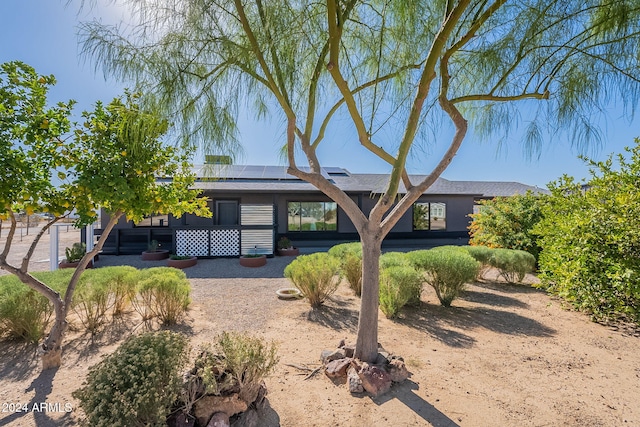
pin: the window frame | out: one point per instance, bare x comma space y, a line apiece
324, 221
429, 216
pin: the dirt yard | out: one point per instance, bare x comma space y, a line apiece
503, 355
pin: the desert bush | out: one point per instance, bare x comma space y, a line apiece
447, 270
394, 259
512, 264
482, 254
350, 256
121, 281
399, 285
25, 313
137, 384
91, 301
163, 294
75, 252
316, 276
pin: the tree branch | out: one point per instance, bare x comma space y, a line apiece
32, 247
488, 97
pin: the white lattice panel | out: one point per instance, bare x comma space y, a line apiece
225, 242
192, 242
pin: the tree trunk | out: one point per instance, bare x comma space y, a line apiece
367, 340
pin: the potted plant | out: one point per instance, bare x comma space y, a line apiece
153, 253
253, 259
181, 261
286, 248
73, 255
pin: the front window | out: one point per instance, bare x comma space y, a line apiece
430, 216
154, 221
312, 216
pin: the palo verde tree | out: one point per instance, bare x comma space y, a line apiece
110, 162
399, 70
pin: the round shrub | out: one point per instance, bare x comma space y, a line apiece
394, 259
350, 256
136, 384
316, 276
447, 270
482, 254
163, 296
513, 264
25, 313
399, 285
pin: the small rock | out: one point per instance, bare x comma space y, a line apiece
375, 380
219, 419
353, 380
397, 371
382, 358
205, 407
341, 343
329, 355
248, 418
337, 368
349, 350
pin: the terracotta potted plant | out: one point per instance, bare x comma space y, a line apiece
286, 248
253, 259
73, 255
154, 253
181, 261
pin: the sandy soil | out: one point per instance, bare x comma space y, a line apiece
503, 355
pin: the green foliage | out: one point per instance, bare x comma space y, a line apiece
136, 384
399, 285
447, 270
393, 259
284, 243
91, 301
25, 313
590, 238
350, 256
165, 296
512, 264
316, 276
508, 222
482, 254
75, 252
247, 359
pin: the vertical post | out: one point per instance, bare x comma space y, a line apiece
53, 249
89, 237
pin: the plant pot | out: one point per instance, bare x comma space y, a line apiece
288, 293
289, 252
155, 255
65, 264
182, 263
253, 261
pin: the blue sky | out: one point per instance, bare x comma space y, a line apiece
42, 33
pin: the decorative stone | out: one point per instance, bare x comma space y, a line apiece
337, 368
329, 355
382, 358
204, 408
349, 350
397, 371
353, 381
219, 419
249, 418
375, 380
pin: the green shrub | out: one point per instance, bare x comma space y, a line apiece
164, 296
447, 270
25, 313
91, 301
399, 285
394, 259
316, 276
512, 264
75, 252
350, 256
137, 384
482, 254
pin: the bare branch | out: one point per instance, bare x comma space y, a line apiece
32, 247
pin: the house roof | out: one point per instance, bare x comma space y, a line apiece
248, 178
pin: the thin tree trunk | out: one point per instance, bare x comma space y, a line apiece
367, 340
